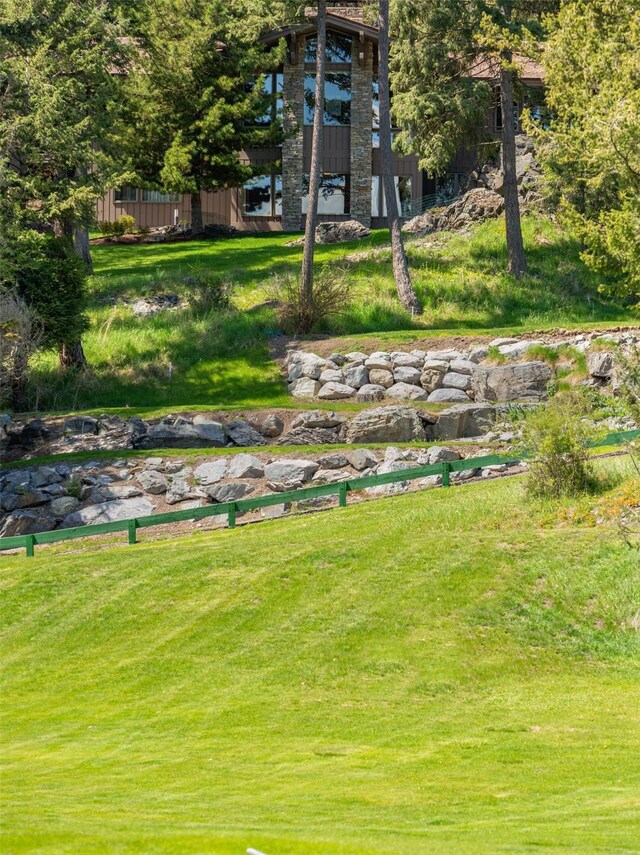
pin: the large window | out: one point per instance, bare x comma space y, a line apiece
337, 98
334, 199
272, 88
126, 193
263, 196
157, 196
338, 48
403, 196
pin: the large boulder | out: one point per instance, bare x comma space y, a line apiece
153, 482
381, 377
341, 231
245, 466
211, 472
305, 387
385, 424
475, 206
241, 433
229, 492
309, 436
356, 375
27, 522
318, 419
406, 374
336, 392
302, 364
370, 393
464, 420
407, 392
520, 381
447, 396
289, 473
120, 509
600, 364
211, 431
173, 436
81, 424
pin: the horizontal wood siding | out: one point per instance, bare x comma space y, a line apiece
336, 155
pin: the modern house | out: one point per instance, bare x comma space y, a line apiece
351, 185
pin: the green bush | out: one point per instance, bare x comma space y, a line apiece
557, 436
207, 292
331, 296
123, 225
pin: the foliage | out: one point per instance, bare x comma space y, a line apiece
283, 652
591, 150
557, 436
207, 293
123, 225
628, 376
300, 314
51, 279
20, 335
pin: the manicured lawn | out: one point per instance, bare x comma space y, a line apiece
433, 673
191, 359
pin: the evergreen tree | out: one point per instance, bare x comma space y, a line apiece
192, 110
438, 102
591, 149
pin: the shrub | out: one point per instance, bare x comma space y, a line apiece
558, 436
125, 224
107, 228
20, 335
331, 296
207, 292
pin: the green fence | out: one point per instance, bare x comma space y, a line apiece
232, 509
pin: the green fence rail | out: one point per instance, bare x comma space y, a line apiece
232, 509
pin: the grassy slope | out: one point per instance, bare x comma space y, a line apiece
427, 673
225, 362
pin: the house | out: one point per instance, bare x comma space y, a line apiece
351, 184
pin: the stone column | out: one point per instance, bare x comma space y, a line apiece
361, 127
293, 145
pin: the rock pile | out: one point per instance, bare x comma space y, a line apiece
475, 206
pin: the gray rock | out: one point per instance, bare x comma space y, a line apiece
406, 374
464, 420
210, 430
23, 499
301, 364
338, 359
332, 375
107, 493
362, 458
153, 462
318, 419
379, 362
600, 363
180, 489
446, 396
54, 490
336, 392
309, 436
404, 391
245, 466
333, 461
80, 424
291, 471
229, 492
440, 365
26, 522
453, 380
172, 436
396, 423
272, 426
357, 356
478, 353
63, 506
394, 489
437, 454
395, 466
120, 509
370, 393
242, 434
211, 472
444, 355
431, 379
464, 475
381, 377
272, 512
429, 482
520, 381
304, 388
406, 360
153, 482
356, 375
462, 366
517, 349
329, 476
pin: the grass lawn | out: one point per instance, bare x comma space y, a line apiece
187, 359
452, 671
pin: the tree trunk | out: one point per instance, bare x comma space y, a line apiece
82, 246
196, 214
71, 355
406, 294
315, 173
515, 246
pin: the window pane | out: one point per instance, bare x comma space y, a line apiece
375, 103
403, 196
257, 197
375, 195
126, 193
278, 195
337, 98
157, 196
334, 195
338, 48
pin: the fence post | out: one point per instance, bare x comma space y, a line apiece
342, 495
133, 525
232, 515
446, 468
29, 545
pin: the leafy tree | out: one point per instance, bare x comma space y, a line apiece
591, 150
60, 91
192, 111
437, 101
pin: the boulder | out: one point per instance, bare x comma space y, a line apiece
63, 506
406, 374
521, 381
431, 379
406, 360
464, 420
478, 353
229, 492
107, 492
405, 391
462, 366
272, 426
81, 424
303, 364
26, 522
23, 499
309, 436
336, 392
329, 476
289, 471
245, 466
341, 231
446, 396
241, 433
376, 361
180, 489
272, 512
211, 431
305, 388
356, 375
332, 375
370, 393
381, 377
443, 356
211, 472
333, 461
453, 380
385, 424
600, 363
172, 436
357, 356
437, 454
362, 458
119, 509
153, 482
338, 359
318, 419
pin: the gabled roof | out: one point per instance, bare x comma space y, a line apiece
339, 22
